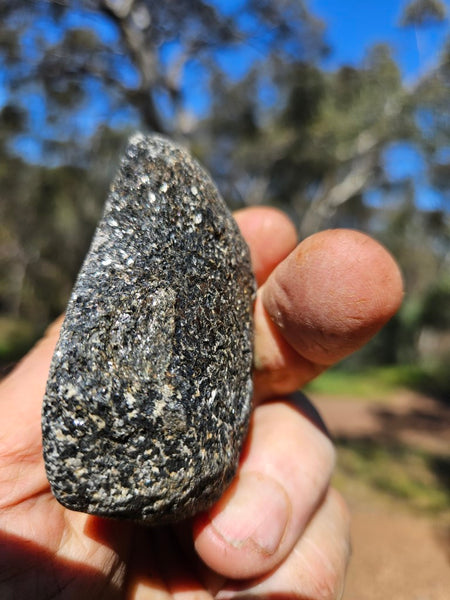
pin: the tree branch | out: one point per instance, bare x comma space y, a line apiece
144, 58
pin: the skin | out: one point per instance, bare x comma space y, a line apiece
279, 531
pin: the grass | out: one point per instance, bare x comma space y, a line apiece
372, 468
397, 471
376, 382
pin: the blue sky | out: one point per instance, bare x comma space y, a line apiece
353, 26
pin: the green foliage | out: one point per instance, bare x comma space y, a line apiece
435, 311
363, 384
47, 217
123, 63
16, 337
381, 383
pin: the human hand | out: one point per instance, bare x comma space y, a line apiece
279, 530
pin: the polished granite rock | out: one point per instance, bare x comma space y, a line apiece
149, 392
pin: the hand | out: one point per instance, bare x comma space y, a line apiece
279, 530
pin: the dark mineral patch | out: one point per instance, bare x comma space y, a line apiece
149, 392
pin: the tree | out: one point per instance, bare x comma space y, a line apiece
130, 60
243, 85
423, 12
324, 143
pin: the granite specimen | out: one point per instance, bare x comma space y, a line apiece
149, 393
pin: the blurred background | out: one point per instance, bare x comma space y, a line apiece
336, 112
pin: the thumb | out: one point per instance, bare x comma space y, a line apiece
323, 302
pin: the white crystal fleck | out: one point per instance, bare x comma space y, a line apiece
129, 399
212, 397
71, 390
136, 138
100, 423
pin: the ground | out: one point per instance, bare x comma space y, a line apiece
393, 469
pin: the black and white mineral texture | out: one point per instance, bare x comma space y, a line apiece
149, 393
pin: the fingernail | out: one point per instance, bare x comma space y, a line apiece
254, 511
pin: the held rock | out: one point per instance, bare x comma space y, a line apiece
149, 393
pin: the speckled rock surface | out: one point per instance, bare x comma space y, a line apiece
149, 392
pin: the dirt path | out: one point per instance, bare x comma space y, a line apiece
397, 554
396, 557
406, 417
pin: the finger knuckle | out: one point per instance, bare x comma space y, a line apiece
321, 581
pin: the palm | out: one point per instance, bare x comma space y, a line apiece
51, 549
73, 555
